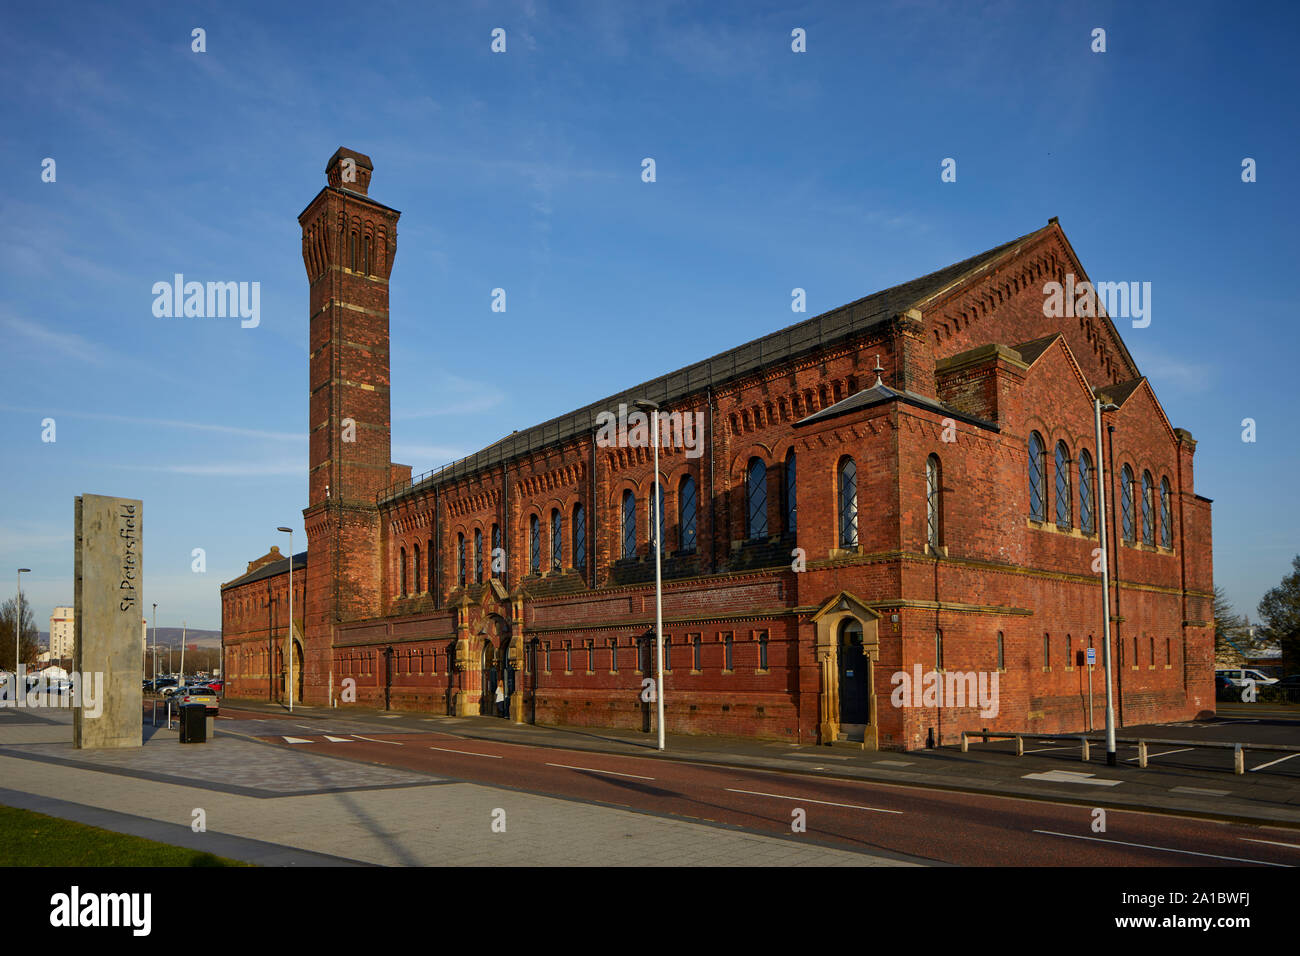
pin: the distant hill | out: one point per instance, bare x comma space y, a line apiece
171, 637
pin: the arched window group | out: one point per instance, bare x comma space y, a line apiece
1065, 469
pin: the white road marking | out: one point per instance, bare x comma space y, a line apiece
1271, 762
1201, 790
894, 763
295, 740
616, 773
1070, 776
1164, 753
376, 741
338, 740
389, 716
1294, 846
1163, 849
827, 803
1039, 750
466, 753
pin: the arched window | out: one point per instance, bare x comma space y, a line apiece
402, 572
478, 555
1148, 511
655, 515
848, 492
686, 502
579, 538
627, 529
1037, 485
756, 499
352, 252
460, 559
791, 501
556, 543
1087, 520
365, 254
1166, 515
1126, 501
933, 502
1064, 500
534, 544
496, 548
415, 565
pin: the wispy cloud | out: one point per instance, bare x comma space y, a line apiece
163, 423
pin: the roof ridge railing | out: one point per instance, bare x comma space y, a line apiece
414, 480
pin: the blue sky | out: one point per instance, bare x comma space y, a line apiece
522, 170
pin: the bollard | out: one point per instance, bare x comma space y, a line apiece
1142, 754
964, 744
1085, 749
1238, 759
1020, 746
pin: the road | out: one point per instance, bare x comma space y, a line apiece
942, 826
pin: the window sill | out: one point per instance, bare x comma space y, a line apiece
761, 670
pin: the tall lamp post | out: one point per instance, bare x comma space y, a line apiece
154, 673
18, 627
288, 641
1098, 408
656, 527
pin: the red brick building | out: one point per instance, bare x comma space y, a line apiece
908, 481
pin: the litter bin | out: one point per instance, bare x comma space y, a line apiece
194, 723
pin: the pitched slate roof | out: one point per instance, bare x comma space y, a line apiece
787, 343
1119, 392
270, 570
879, 394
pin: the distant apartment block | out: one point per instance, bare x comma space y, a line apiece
62, 632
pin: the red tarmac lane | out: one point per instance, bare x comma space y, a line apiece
944, 826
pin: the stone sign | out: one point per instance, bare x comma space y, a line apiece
109, 614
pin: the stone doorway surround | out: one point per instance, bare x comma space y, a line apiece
828, 619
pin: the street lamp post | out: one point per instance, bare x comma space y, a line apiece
154, 672
18, 627
1098, 408
652, 410
289, 635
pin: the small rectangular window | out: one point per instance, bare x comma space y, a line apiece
938, 648
762, 650
1002, 661
613, 654
726, 652
696, 648
1047, 650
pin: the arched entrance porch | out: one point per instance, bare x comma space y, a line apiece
848, 649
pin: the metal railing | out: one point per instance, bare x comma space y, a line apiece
1086, 742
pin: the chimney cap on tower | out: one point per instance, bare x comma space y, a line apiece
348, 169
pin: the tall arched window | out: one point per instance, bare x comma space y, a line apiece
1148, 510
415, 566
848, 503
1166, 515
933, 502
1126, 501
628, 526
556, 543
1064, 500
756, 499
1087, 521
402, 572
1037, 475
791, 501
579, 538
365, 254
686, 507
496, 548
352, 257
534, 544
460, 559
478, 555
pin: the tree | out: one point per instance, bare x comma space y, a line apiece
29, 646
1228, 625
1280, 609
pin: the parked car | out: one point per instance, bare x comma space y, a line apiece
1240, 675
196, 695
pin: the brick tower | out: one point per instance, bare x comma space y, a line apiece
348, 244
